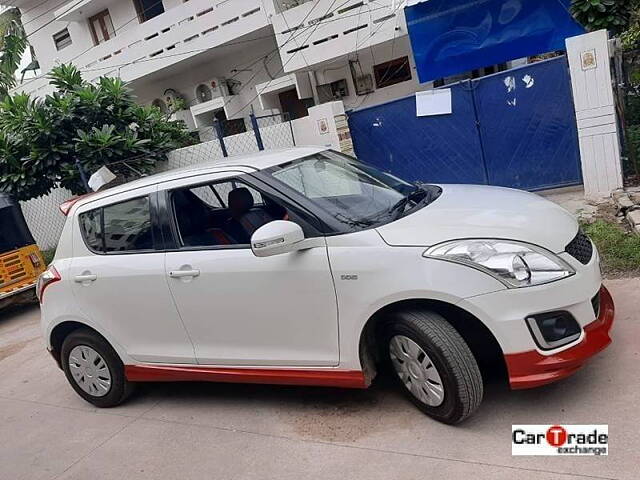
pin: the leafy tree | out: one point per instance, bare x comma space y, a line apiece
612, 15
631, 37
13, 43
42, 141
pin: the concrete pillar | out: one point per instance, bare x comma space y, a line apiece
326, 125
589, 64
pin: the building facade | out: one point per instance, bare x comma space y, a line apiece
226, 59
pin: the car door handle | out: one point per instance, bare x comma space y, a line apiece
184, 273
88, 277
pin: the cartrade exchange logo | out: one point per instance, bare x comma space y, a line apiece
560, 440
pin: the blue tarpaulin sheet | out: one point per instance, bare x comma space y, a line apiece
449, 37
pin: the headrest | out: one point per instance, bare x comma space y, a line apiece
240, 198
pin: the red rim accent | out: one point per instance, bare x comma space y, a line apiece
194, 373
532, 369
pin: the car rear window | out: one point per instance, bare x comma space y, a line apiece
121, 227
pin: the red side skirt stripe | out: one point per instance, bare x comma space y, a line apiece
195, 373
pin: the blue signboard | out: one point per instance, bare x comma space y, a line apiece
449, 37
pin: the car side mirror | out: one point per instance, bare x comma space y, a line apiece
277, 237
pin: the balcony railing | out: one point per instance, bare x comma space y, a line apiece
175, 35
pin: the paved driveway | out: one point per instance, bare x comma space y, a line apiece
209, 431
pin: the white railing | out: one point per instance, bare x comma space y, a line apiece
178, 33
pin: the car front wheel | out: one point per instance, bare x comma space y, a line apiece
94, 369
433, 365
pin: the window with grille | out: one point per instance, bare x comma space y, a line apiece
390, 73
62, 39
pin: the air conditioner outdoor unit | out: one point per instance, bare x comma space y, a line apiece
171, 96
214, 88
219, 87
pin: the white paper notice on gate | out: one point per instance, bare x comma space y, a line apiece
433, 102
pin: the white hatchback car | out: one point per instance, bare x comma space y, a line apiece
307, 267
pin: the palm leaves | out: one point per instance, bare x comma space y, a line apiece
13, 42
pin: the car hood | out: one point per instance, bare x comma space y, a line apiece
474, 211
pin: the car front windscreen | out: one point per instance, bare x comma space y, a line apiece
356, 195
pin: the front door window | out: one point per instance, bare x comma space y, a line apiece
222, 213
101, 27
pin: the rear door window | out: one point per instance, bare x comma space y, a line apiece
127, 226
121, 227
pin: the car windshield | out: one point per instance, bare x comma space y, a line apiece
356, 195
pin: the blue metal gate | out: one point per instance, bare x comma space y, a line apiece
515, 129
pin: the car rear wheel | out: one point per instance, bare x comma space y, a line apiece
433, 365
94, 369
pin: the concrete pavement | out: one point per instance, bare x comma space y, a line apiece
217, 431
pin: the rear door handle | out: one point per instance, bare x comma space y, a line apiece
184, 273
88, 277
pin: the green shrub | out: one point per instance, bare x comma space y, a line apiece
619, 250
632, 110
613, 15
93, 124
633, 149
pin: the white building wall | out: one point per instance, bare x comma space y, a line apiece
185, 81
322, 30
385, 38
381, 53
137, 50
40, 24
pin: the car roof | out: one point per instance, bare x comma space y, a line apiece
245, 163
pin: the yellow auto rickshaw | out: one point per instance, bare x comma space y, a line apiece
21, 261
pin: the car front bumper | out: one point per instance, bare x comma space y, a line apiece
533, 369
504, 313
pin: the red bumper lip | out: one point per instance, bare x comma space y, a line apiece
532, 369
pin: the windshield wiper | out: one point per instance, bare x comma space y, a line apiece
352, 221
417, 195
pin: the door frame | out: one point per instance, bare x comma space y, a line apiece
100, 16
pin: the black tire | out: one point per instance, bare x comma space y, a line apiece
120, 388
449, 353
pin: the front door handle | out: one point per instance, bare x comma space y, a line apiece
85, 278
184, 273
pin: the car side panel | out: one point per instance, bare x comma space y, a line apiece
59, 307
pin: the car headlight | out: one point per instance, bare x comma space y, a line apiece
513, 263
